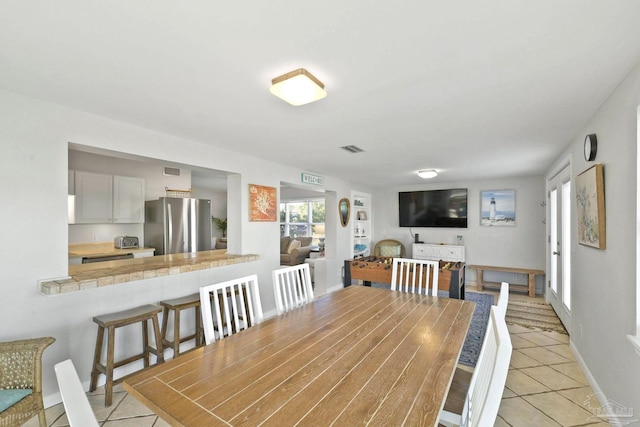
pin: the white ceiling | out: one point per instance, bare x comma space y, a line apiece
474, 89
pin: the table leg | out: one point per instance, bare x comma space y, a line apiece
479, 279
347, 273
532, 285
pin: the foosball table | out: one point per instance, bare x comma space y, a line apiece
379, 269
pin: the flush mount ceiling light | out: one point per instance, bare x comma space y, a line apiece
298, 87
427, 173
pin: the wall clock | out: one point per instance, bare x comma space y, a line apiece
590, 147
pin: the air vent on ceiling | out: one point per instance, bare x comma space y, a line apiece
171, 171
352, 149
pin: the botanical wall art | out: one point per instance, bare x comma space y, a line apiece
498, 208
262, 203
590, 207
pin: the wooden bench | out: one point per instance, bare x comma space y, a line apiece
532, 273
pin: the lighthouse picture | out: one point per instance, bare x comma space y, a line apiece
492, 209
498, 208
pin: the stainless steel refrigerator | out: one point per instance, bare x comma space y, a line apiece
177, 225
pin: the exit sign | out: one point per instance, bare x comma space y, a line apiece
312, 179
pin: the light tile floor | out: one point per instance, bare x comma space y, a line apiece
545, 387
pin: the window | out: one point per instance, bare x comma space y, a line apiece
303, 218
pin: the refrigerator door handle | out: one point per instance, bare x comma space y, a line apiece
192, 245
187, 226
170, 225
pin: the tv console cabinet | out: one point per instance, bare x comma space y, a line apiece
438, 252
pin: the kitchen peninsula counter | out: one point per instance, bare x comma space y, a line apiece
107, 273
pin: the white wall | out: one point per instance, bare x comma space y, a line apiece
218, 205
34, 138
604, 281
519, 246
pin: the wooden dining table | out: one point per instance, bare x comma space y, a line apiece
359, 355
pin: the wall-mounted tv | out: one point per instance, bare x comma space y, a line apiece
433, 208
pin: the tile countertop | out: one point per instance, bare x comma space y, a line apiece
107, 273
100, 249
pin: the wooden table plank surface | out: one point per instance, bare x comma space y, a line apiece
356, 356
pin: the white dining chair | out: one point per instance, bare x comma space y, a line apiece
503, 298
481, 401
414, 276
292, 287
74, 399
230, 307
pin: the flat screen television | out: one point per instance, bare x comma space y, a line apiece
433, 208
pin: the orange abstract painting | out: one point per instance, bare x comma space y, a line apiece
262, 203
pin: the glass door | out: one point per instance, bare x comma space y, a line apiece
559, 245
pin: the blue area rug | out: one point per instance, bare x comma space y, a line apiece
475, 336
479, 321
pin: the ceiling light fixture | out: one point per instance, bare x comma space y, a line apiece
298, 87
427, 173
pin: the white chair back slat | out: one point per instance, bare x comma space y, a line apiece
292, 287
74, 399
503, 298
230, 307
415, 276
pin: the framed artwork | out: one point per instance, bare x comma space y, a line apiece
591, 209
498, 208
262, 203
344, 209
362, 215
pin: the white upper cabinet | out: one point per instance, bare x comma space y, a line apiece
128, 199
94, 198
107, 199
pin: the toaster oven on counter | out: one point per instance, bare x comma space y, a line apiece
126, 242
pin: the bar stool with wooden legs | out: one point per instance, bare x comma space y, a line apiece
112, 321
177, 305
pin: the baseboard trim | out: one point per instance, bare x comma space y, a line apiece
608, 410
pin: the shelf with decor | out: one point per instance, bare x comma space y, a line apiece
361, 224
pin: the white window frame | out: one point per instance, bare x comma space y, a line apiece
309, 222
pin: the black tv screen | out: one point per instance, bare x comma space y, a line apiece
433, 208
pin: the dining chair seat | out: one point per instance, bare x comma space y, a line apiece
457, 395
292, 287
230, 307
